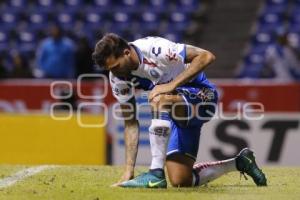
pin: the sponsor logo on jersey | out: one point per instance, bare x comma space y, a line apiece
171, 55
154, 73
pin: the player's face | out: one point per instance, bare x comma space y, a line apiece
120, 66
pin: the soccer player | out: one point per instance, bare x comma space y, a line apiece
181, 99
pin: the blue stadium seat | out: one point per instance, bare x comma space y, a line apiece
73, 5
47, 6
179, 21
277, 2
270, 23
122, 20
263, 38
274, 9
128, 5
187, 5
261, 41
295, 18
66, 20
254, 57
173, 36
250, 70
26, 42
102, 5
294, 28
9, 20
15, 5
4, 40
252, 65
94, 24
150, 21
157, 5
37, 20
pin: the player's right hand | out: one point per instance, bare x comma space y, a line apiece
128, 175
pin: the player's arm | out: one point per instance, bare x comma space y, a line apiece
131, 134
198, 58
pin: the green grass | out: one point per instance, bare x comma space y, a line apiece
6, 170
93, 183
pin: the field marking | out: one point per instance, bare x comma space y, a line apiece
22, 174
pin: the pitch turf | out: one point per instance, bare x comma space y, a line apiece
93, 183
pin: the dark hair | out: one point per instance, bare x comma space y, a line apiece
110, 45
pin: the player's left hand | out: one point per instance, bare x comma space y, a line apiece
161, 89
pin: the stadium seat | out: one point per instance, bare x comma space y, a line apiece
277, 2
94, 19
250, 70
157, 5
179, 21
129, 5
295, 18
94, 25
270, 23
47, 6
37, 20
26, 42
4, 40
173, 36
274, 9
262, 39
122, 20
66, 20
9, 19
73, 3
254, 57
187, 5
101, 5
150, 21
15, 5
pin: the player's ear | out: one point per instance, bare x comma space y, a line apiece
126, 52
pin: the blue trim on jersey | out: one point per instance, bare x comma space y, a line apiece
164, 116
139, 53
139, 83
199, 82
183, 53
143, 83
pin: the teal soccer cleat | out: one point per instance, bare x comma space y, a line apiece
245, 163
152, 179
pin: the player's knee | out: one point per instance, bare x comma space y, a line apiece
161, 102
177, 181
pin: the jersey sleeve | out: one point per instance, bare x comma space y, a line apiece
168, 52
122, 90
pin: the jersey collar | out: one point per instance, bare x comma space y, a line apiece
139, 53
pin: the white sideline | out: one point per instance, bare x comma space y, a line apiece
22, 174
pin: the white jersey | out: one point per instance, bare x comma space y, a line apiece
160, 62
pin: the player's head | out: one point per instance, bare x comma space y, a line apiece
56, 31
113, 53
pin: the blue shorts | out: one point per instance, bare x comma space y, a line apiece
184, 138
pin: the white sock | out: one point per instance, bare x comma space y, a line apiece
206, 172
159, 135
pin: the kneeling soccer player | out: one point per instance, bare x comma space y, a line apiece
181, 99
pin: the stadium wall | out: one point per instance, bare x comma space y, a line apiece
39, 139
